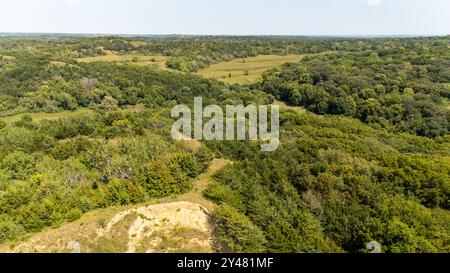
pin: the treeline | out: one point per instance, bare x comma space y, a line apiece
334, 185
374, 165
120, 153
192, 53
53, 172
35, 83
400, 89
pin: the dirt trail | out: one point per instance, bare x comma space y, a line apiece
182, 224
196, 195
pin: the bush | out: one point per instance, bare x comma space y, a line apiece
164, 178
19, 165
9, 230
119, 192
237, 232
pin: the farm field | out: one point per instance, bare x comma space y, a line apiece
255, 66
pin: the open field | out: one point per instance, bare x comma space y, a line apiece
7, 58
139, 43
37, 117
139, 59
255, 66
47, 116
298, 109
242, 71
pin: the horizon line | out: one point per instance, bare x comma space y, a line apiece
223, 35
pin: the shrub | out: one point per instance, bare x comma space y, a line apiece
237, 232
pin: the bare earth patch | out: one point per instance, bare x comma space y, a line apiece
182, 224
170, 227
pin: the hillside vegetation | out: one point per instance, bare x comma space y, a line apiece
364, 154
247, 70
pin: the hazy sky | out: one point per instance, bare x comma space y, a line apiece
284, 17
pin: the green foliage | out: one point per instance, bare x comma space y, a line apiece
183, 64
19, 165
237, 232
162, 178
223, 194
375, 166
336, 184
9, 230
118, 45
388, 91
124, 193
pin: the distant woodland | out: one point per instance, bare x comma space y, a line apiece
364, 154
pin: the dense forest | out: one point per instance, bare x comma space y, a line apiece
367, 160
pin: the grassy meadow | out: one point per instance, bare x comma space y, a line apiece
236, 71
242, 71
37, 117
132, 57
284, 106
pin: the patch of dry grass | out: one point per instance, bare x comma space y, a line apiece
37, 117
298, 109
139, 43
135, 57
7, 58
248, 70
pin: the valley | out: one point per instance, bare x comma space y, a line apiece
88, 162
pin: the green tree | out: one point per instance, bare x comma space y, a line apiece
237, 232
